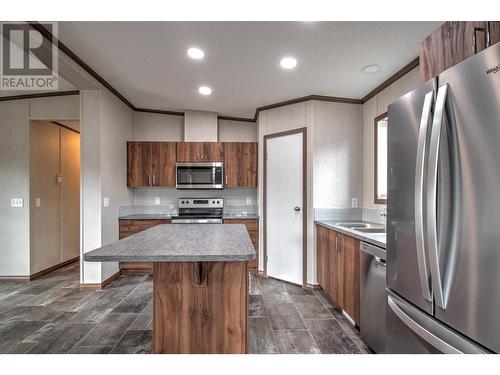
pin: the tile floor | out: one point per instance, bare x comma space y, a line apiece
52, 315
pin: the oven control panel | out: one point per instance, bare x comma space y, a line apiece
201, 203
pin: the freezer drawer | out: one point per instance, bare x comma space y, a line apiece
411, 331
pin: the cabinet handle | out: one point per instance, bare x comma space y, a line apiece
149, 180
226, 179
154, 183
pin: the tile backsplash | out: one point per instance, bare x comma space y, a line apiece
235, 200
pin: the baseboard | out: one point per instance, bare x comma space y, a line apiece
100, 286
14, 278
313, 287
53, 268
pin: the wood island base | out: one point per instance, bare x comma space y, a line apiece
200, 307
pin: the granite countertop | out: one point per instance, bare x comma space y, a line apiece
180, 243
377, 239
168, 216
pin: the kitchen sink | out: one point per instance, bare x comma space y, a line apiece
370, 230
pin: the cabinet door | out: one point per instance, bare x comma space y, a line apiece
494, 32
351, 277
240, 164
253, 231
323, 258
164, 156
199, 151
139, 164
452, 43
337, 267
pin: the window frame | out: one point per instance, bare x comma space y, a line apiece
377, 200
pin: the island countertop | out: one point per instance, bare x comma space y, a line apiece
180, 243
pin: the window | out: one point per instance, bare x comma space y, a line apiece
381, 159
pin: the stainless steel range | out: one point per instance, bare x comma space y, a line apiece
199, 211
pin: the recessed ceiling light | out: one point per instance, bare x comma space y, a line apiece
372, 68
288, 62
195, 53
205, 90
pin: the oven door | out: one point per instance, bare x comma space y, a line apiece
199, 175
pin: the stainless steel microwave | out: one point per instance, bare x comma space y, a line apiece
199, 175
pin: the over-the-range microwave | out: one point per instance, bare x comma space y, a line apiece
199, 175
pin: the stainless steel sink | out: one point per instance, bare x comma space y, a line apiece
364, 227
370, 230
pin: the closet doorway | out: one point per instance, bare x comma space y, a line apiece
54, 175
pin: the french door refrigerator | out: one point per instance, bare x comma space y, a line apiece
443, 240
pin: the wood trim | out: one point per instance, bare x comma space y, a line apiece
304, 199
53, 268
323, 98
389, 81
159, 111
40, 95
376, 200
100, 286
313, 287
73, 56
64, 126
231, 118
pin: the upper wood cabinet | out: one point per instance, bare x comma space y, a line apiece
240, 164
151, 164
200, 151
454, 42
338, 269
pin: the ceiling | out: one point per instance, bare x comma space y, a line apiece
147, 62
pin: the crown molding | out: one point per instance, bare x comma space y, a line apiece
41, 95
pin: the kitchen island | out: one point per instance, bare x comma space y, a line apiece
200, 284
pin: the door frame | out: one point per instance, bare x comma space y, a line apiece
302, 131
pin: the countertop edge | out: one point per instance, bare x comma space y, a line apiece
347, 232
180, 258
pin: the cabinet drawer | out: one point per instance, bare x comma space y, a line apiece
251, 224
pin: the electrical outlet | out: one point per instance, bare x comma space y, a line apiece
354, 203
106, 202
16, 202
249, 201
38, 202
157, 201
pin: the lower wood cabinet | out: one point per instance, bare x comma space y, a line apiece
128, 228
253, 231
338, 269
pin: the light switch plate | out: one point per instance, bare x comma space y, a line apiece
354, 203
249, 201
157, 201
106, 202
17, 202
38, 202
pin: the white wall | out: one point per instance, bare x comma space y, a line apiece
337, 154
157, 127
117, 127
237, 131
14, 168
371, 109
14, 183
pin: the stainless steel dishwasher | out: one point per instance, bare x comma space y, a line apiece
372, 288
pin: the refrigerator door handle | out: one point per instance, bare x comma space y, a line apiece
419, 197
420, 331
431, 190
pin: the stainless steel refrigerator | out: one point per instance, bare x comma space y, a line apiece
443, 218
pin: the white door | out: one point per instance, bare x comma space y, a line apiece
284, 185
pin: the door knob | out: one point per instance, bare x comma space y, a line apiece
296, 208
